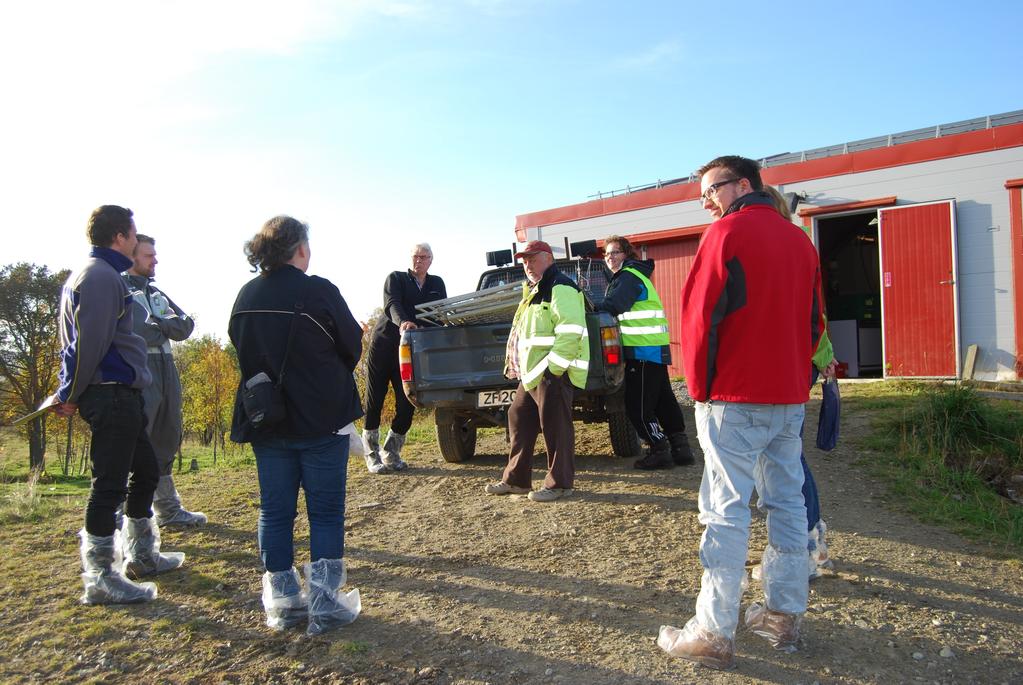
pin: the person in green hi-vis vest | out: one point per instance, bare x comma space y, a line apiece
649, 399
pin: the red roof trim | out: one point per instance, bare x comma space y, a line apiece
969, 143
666, 234
1014, 183
848, 206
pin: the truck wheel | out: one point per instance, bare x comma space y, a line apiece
456, 436
624, 440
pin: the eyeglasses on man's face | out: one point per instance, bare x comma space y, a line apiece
612, 253
712, 189
422, 256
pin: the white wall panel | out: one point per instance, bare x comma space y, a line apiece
976, 182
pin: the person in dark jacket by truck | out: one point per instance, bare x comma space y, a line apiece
649, 399
304, 447
403, 290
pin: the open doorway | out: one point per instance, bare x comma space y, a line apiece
850, 271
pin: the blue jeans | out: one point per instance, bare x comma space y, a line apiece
749, 446
320, 466
810, 497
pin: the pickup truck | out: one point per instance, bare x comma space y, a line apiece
458, 370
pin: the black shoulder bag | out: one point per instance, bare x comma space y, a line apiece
262, 398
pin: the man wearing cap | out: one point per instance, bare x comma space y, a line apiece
548, 353
158, 321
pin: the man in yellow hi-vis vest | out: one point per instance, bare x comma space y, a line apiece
548, 351
649, 399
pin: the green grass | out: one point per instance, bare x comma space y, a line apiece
948, 454
945, 452
23, 501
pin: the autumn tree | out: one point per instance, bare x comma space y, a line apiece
29, 346
209, 378
362, 368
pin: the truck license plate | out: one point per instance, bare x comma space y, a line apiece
495, 398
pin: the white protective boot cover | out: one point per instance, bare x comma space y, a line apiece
329, 608
142, 549
168, 509
101, 574
371, 449
284, 601
391, 452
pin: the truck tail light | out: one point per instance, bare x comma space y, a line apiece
405, 361
612, 346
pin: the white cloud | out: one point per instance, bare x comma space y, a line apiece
663, 52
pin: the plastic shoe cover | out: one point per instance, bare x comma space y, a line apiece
284, 601
104, 583
183, 518
391, 452
374, 465
780, 630
696, 643
371, 452
142, 549
817, 546
329, 608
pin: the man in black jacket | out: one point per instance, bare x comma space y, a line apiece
403, 290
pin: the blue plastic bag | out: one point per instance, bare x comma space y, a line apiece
831, 410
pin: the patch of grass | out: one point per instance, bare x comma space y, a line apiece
164, 625
949, 455
98, 630
23, 502
233, 456
348, 647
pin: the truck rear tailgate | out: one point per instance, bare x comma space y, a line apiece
458, 358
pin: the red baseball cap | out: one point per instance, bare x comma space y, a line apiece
533, 247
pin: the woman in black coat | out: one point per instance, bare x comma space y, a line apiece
298, 330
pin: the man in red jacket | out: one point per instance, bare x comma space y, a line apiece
751, 319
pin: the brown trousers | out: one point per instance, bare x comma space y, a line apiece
546, 408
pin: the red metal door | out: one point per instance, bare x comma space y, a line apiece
918, 290
672, 261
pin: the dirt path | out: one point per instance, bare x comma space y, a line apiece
459, 587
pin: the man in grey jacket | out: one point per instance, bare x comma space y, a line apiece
158, 321
102, 374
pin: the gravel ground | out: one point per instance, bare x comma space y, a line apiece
460, 587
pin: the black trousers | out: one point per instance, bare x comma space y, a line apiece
123, 462
382, 369
650, 402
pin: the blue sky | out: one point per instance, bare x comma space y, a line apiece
387, 123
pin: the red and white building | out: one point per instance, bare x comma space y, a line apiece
920, 236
